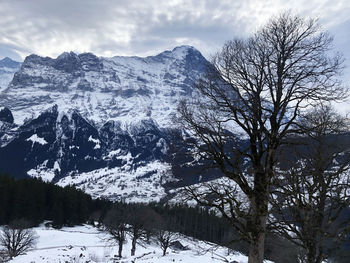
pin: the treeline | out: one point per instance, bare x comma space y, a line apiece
195, 222
204, 224
36, 201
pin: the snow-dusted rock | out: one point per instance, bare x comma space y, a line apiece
101, 124
8, 67
126, 89
6, 115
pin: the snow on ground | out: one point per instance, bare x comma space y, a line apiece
85, 244
36, 139
41, 171
143, 184
96, 141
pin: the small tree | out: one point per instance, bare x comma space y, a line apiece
16, 238
258, 87
141, 221
151, 219
136, 230
164, 236
313, 190
117, 227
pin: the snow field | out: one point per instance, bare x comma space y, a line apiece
85, 244
123, 183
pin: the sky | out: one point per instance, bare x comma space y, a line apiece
147, 27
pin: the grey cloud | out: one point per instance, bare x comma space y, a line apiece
116, 27
341, 35
7, 51
50, 27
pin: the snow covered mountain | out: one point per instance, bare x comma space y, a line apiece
127, 89
8, 67
102, 124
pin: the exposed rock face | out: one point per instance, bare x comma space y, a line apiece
6, 115
102, 124
125, 89
65, 148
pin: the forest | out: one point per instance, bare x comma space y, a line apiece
36, 202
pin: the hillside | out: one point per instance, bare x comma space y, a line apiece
84, 244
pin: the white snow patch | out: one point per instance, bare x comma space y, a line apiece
96, 141
142, 184
56, 166
35, 138
163, 145
114, 153
41, 171
73, 147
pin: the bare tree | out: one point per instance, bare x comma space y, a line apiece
3, 256
117, 227
258, 87
313, 190
16, 238
162, 232
138, 221
151, 221
165, 238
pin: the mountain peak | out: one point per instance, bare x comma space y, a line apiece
179, 53
7, 59
184, 47
66, 55
182, 51
8, 62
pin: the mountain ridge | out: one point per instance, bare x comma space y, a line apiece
117, 88
101, 124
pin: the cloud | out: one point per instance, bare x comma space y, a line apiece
7, 51
116, 27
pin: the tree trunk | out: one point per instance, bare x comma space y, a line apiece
311, 255
120, 249
259, 205
148, 236
256, 246
133, 246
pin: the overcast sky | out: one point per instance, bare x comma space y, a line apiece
146, 27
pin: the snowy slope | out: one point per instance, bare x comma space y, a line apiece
108, 162
144, 184
8, 67
84, 244
133, 163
